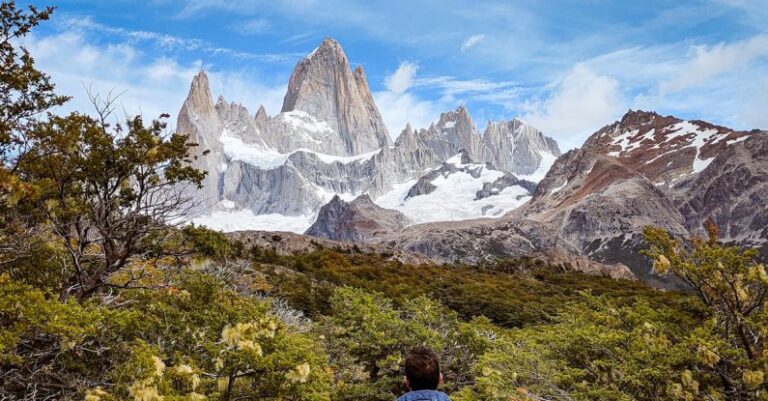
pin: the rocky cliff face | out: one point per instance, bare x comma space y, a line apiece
357, 221
198, 119
512, 146
663, 149
324, 87
520, 148
732, 191
596, 200
329, 139
453, 132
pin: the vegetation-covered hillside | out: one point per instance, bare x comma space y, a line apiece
103, 298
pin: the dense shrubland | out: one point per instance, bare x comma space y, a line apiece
101, 298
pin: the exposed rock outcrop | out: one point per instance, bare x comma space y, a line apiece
198, 119
285, 243
357, 221
732, 191
518, 147
323, 86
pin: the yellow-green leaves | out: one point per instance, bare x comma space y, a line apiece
661, 265
707, 356
299, 374
753, 378
732, 286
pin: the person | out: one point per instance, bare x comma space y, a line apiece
423, 376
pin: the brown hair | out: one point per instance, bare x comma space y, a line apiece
422, 368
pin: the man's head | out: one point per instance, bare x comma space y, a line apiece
422, 369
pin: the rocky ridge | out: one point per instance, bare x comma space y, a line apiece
329, 139
356, 221
595, 200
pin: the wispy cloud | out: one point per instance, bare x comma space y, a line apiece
710, 61
554, 63
253, 26
300, 38
173, 43
471, 42
402, 79
149, 85
400, 107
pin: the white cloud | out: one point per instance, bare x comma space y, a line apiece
146, 85
402, 79
710, 61
753, 112
398, 107
471, 41
398, 110
579, 104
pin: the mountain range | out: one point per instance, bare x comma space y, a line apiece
326, 165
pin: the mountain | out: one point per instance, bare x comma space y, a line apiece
325, 165
458, 189
513, 146
324, 87
329, 140
644, 169
356, 221
732, 191
518, 147
199, 119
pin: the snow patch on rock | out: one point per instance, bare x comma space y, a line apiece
242, 220
454, 196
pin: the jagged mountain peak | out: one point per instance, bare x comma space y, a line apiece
520, 147
407, 139
329, 46
664, 148
458, 116
640, 117
358, 220
199, 97
360, 72
261, 115
324, 86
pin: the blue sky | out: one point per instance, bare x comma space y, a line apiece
566, 66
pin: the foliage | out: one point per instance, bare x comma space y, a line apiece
733, 286
526, 295
207, 242
367, 338
106, 194
596, 351
207, 342
25, 92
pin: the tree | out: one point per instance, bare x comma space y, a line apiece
108, 193
733, 286
193, 341
367, 338
25, 93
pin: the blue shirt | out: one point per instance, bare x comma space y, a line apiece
424, 395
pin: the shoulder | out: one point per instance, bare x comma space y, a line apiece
424, 395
